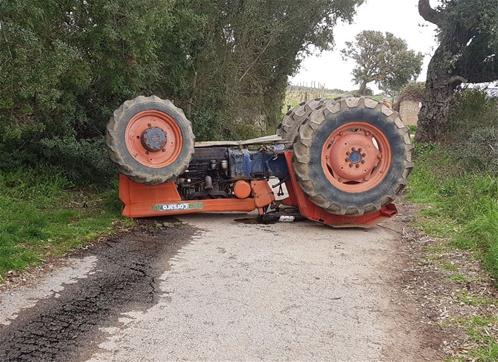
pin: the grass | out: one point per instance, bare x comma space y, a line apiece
43, 215
474, 300
480, 331
459, 278
459, 206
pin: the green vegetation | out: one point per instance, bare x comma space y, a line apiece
468, 41
43, 215
384, 59
66, 66
461, 207
473, 131
458, 205
474, 300
479, 329
457, 180
297, 94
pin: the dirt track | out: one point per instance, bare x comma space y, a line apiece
214, 288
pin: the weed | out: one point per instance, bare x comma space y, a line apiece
459, 278
474, 300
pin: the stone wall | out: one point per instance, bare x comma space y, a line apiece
408, 110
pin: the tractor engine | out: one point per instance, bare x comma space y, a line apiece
207, 175
213, 171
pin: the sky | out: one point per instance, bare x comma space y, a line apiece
399, 17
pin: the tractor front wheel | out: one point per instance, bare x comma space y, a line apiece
150, 140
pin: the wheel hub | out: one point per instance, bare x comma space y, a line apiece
355, 156
153, 139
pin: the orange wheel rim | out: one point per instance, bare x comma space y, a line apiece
153, 138
356, 157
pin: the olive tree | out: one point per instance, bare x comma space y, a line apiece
384, 59
467, 53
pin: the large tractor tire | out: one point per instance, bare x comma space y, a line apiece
150, 140
289, 127
352, 156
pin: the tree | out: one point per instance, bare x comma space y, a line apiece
249, 48
467, 53
384, 59
65, 66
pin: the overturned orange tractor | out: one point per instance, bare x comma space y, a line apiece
342, 163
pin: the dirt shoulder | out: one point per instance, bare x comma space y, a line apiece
456, 300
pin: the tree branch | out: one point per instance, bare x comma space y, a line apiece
429, 14
456, 80
257, 58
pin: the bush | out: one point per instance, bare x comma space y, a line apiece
64, 68
473, 130
413, 91
84, 161
480, 150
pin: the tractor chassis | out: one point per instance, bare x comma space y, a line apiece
142, 200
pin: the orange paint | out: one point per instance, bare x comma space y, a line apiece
151, 119
356, 157
312, 212
156, 200
242, 189
263, 195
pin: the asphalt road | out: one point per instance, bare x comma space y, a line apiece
212, 288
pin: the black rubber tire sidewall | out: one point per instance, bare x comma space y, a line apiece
138, 169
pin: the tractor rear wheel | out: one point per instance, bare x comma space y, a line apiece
150, 140
289, 126
352, 156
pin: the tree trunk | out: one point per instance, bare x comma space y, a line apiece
363, 88
433, 117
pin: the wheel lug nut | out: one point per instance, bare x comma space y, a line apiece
357, 166
362, 161
363, 155
346, 160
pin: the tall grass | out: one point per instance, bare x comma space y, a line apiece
457, 204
